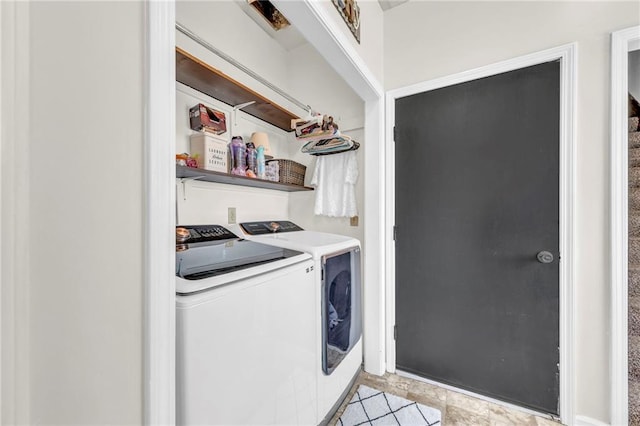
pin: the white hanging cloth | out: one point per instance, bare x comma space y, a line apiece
335, 177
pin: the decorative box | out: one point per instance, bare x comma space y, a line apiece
271, 171
210, 151
201, 117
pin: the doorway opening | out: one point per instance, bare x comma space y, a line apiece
159, 359
622, 204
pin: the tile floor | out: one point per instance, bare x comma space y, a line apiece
456, 408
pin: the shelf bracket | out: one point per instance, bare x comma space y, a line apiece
184, 181
240, 106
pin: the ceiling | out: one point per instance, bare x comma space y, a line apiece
389, 4
289, 38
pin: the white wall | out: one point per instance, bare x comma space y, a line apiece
205, 203
371, 33
313, 78
634, 73
426, 40
84, 224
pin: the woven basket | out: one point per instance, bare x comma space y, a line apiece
290, 172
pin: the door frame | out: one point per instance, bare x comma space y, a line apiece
159, 175
622, 42
567, 55
14, 204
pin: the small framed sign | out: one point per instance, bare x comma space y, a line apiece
350, 12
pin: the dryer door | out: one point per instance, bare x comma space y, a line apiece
341, 306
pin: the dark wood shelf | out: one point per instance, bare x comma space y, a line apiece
202, 77
209, 176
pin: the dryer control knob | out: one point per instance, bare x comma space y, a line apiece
274, 226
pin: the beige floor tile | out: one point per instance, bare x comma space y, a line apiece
456, 416
385, 387
502, 416
468, 403
372, 377
541, 421
427, 389
397, 382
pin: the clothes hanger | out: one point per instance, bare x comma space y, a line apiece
354, 147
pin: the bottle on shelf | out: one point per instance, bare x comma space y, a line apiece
260, 162
238, 156
251, 159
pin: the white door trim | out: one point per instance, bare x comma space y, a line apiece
2, 143
14, 278
567, 55
159, 220
621, 44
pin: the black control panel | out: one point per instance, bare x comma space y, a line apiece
269, 227
202, 233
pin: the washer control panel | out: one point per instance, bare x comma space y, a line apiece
202, 233
269, 227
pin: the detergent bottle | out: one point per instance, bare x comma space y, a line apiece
238, 159
251, 158
260, 162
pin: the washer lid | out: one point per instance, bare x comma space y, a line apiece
204, 260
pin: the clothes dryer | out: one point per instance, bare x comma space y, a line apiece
337, 271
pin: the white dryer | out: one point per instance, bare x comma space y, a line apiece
245, 331
339, 298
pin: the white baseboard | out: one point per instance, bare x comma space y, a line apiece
588, 421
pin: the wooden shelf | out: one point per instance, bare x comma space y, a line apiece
209, 176
200, 76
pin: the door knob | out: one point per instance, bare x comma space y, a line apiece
545, 257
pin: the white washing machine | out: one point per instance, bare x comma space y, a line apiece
338, 296
245, 331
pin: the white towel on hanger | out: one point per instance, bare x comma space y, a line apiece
335, 177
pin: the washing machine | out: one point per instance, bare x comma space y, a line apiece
337, 270
245, 328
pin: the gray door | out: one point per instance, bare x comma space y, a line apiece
477, 198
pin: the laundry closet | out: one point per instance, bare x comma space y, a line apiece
285, 60
268, 293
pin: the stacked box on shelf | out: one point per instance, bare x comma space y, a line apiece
210, 151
